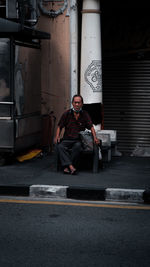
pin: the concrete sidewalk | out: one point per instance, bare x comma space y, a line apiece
123, 179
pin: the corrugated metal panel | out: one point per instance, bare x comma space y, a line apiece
126, 98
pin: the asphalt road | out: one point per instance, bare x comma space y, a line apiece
78, 234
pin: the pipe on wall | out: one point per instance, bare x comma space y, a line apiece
73, 48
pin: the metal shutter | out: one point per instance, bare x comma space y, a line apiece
126, 98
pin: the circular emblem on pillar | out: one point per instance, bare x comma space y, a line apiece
93, 75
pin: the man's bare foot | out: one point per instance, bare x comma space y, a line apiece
72, 169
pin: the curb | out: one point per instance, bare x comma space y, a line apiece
14, 190
77, 192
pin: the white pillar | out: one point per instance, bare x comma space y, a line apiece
73, 48
91, 59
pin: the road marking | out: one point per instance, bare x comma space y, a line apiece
96, 205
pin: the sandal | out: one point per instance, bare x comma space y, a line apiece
66, 171
73, 172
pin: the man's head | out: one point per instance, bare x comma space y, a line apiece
77, 102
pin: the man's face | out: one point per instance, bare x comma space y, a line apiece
77, 103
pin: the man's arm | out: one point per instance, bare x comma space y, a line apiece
57, 136
96, 141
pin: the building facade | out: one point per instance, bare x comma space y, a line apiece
117, 74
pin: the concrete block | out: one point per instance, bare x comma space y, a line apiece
129, 195
48, 191
105, 138
112, 133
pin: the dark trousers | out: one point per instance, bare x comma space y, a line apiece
69, 151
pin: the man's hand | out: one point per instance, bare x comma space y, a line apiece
96, 141
56, 140
57, 136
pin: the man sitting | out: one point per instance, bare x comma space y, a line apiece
73, 121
